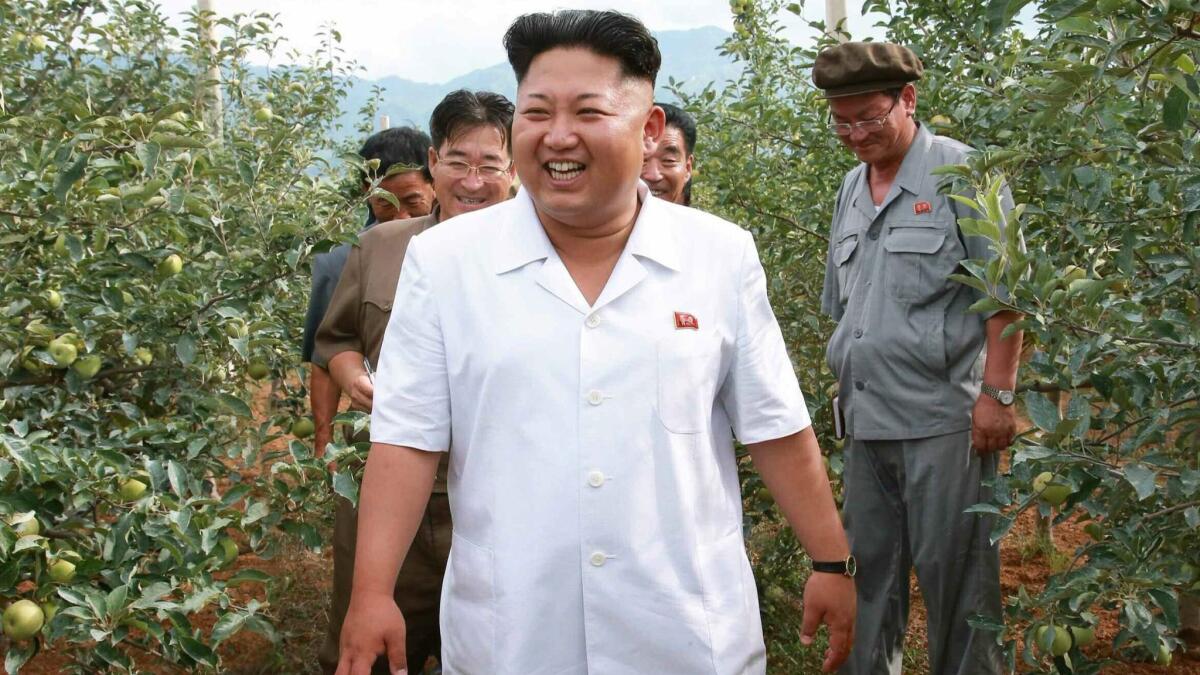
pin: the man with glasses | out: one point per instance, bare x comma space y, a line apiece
668, 169
470, 161
911, 363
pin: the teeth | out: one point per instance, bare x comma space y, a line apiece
565, 166
469, 201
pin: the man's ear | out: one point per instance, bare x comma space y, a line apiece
652, 131
431, 159
908, 97
688, 165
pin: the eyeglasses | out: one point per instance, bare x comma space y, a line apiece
846, 128
488, 173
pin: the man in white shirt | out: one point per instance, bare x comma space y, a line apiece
586, 355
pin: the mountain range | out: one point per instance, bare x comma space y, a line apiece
690, 57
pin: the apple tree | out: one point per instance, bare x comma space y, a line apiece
156, 250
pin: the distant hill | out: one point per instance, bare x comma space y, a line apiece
690, 57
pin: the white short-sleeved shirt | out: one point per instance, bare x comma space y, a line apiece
593, 484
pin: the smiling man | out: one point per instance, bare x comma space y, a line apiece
668, 168
922, 378
470, 162
586, 354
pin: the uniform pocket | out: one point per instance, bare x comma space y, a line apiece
913, 264
688, 365
468, 622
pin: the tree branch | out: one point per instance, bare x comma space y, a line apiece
784, 219
225, 296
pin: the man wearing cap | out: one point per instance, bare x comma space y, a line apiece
925, 385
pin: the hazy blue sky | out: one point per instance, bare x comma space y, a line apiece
435, 40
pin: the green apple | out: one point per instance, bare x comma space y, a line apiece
1083, 635
1163, 657
229, 550
1048, 491
170, 265
1094, 530
303, 428
38, 42
62, 571
23, 619
236, 328
1072, 273
63, 353
143, 356
257, 370
53, 299
60, 245
941, 121
87, 366
26, 528
263, 114
131, 489
1061, 642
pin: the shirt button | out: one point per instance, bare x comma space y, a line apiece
595, 397
857, 332
596, 479
860, 385
592, 321
598, 559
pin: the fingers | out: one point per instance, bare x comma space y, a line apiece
809, 623
841, 637
397, 653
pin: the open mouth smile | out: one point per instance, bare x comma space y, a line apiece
564, 171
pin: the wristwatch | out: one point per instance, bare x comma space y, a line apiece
847, 567
1006, 397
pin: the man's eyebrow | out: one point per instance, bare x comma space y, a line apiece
673, 149
581, 97
454, 152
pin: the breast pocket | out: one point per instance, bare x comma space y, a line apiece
914, 267
843, 252
688, 369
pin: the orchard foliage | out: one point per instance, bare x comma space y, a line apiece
155, 267
1090, 111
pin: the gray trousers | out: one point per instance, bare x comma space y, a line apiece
904, 505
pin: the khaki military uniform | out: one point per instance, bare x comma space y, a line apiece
355, 321
908, 357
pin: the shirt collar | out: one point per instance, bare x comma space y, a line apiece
524, 239
912, 172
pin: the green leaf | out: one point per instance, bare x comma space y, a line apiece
176, 141
199, 651
1175, 109
148, 154
185, 349
69, 176
18, 654
177, 476
1141, 478
244, 576
345, 485
227, 625
1041, 411
237, 405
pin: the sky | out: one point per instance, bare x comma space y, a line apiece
423, 40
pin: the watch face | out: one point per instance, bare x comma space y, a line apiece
851, 566
1006, 397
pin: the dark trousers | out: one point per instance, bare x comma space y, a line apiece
903, 510
418, 587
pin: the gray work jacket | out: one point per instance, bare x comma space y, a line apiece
906, 352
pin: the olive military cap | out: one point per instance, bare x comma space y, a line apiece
862, 67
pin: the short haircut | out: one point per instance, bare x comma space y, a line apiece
464, 110
679, 118
406, 146
606, 33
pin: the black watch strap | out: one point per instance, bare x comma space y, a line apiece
847, 567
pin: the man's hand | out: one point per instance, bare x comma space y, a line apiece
362, 392
992, 425
322, 438
373, 626
829, 599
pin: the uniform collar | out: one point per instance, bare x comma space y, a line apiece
910, 177
525, 240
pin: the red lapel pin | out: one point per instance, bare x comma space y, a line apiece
684, 320
922, 207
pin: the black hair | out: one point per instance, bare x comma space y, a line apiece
679, 118
462, 110
406, 146
606, 33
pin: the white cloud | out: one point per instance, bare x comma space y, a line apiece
436, 40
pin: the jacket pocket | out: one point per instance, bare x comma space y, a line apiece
913, 266
688, 368
468, 621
